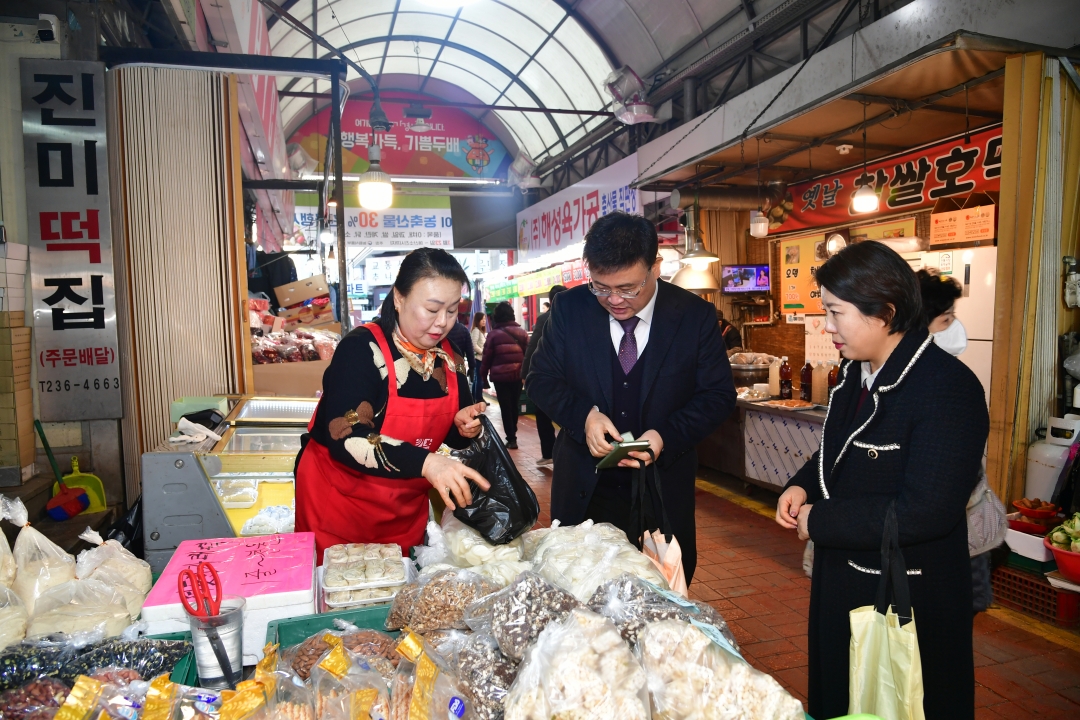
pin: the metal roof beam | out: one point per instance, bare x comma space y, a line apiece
472, 106
902, 104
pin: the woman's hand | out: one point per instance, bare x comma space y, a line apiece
450, 478
804, 522
466, 421
787, 509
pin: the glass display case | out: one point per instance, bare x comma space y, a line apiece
272, 412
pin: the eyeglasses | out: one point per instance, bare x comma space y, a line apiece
624, 295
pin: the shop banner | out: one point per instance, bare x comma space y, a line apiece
799, 260
914, 181
455, 146
567, 215
393, 228
70, 238
497, 292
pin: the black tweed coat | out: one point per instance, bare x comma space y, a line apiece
918, 438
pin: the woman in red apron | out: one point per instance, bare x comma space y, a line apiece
395, 391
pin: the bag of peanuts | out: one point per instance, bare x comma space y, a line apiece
440, 603
425, 687
345, 688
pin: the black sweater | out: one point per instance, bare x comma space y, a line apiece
354, 378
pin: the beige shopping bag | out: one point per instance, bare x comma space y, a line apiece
885, 669
667, 557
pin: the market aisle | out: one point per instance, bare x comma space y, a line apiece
750, 570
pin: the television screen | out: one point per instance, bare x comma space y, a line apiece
744, 279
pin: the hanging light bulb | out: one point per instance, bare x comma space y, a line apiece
865, 200
376, 191
327, 237
759, 224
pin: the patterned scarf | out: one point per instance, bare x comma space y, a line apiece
422, 361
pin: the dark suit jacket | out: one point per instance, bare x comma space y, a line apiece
686, 392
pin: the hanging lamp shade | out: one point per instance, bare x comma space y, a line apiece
865, 200
376, 191
699, 257
759, 224
695, 279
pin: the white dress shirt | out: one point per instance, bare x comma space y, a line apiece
641, 331
869, 377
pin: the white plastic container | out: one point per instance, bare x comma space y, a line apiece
1030, 546
1044, 465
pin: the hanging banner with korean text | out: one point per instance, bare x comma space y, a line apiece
799, 260
914, 181
412, 222
70, 238
566, 216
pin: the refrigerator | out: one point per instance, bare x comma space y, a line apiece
976, 271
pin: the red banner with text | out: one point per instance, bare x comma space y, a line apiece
913, 181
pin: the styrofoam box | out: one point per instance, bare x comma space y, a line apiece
1030, 546
164, 615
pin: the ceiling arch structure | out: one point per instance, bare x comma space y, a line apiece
524, 53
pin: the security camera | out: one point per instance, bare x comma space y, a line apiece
46, 28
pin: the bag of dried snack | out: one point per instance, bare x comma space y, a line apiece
344, 689
516, 616
40, 563
692, 677
79, 606
484, 673
467, 547
111, 555
441, 602
36, 700
401, 610
43, 657
7, 560
13, 618
435, 690
580, 668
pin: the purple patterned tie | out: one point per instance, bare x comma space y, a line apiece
628, 345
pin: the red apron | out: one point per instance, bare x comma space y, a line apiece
342, 505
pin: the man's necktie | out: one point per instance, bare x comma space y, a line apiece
628, 345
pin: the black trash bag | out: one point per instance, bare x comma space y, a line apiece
510, 507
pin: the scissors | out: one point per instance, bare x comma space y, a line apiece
200, 590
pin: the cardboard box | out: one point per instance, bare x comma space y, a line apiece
15, 267
17, 400
980, 217
28, 449
15, 353
14, 251
277, 324
12, 319
14, 384
15, 336
301, 379
15, 368
946, 222
22, 416
301, 290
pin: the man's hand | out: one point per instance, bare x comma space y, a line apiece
804, 522
466, 420
597, 427
787, 509
642, 459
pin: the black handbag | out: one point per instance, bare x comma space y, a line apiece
645, 491
510, 507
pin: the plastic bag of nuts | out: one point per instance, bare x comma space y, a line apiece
485, 674
33, 698
402, 607
441, 601
517, 615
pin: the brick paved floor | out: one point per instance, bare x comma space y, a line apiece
750, 569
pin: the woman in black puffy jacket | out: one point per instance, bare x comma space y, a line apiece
504, 352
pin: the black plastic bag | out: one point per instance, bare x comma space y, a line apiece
510, 507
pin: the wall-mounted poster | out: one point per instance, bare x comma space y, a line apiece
799, 260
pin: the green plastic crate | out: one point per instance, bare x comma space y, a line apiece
526, 405
298, 629
1023, 563
185, 672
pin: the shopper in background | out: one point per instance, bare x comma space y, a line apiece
939, 296
544, 428
504, 352
394, 392
629, 353
479, 336
730, 333
907, 424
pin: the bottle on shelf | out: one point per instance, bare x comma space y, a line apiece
774, 377
785, 379
806, 381
820, 382
834, 377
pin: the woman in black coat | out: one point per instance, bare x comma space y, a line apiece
907, 423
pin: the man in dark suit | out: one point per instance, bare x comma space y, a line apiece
630, 353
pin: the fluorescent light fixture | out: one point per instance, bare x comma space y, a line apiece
417, 179
865, 200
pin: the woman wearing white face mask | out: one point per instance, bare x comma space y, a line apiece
939, 296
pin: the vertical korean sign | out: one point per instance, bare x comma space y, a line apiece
70, 233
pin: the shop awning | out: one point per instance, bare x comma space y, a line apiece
945, 91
